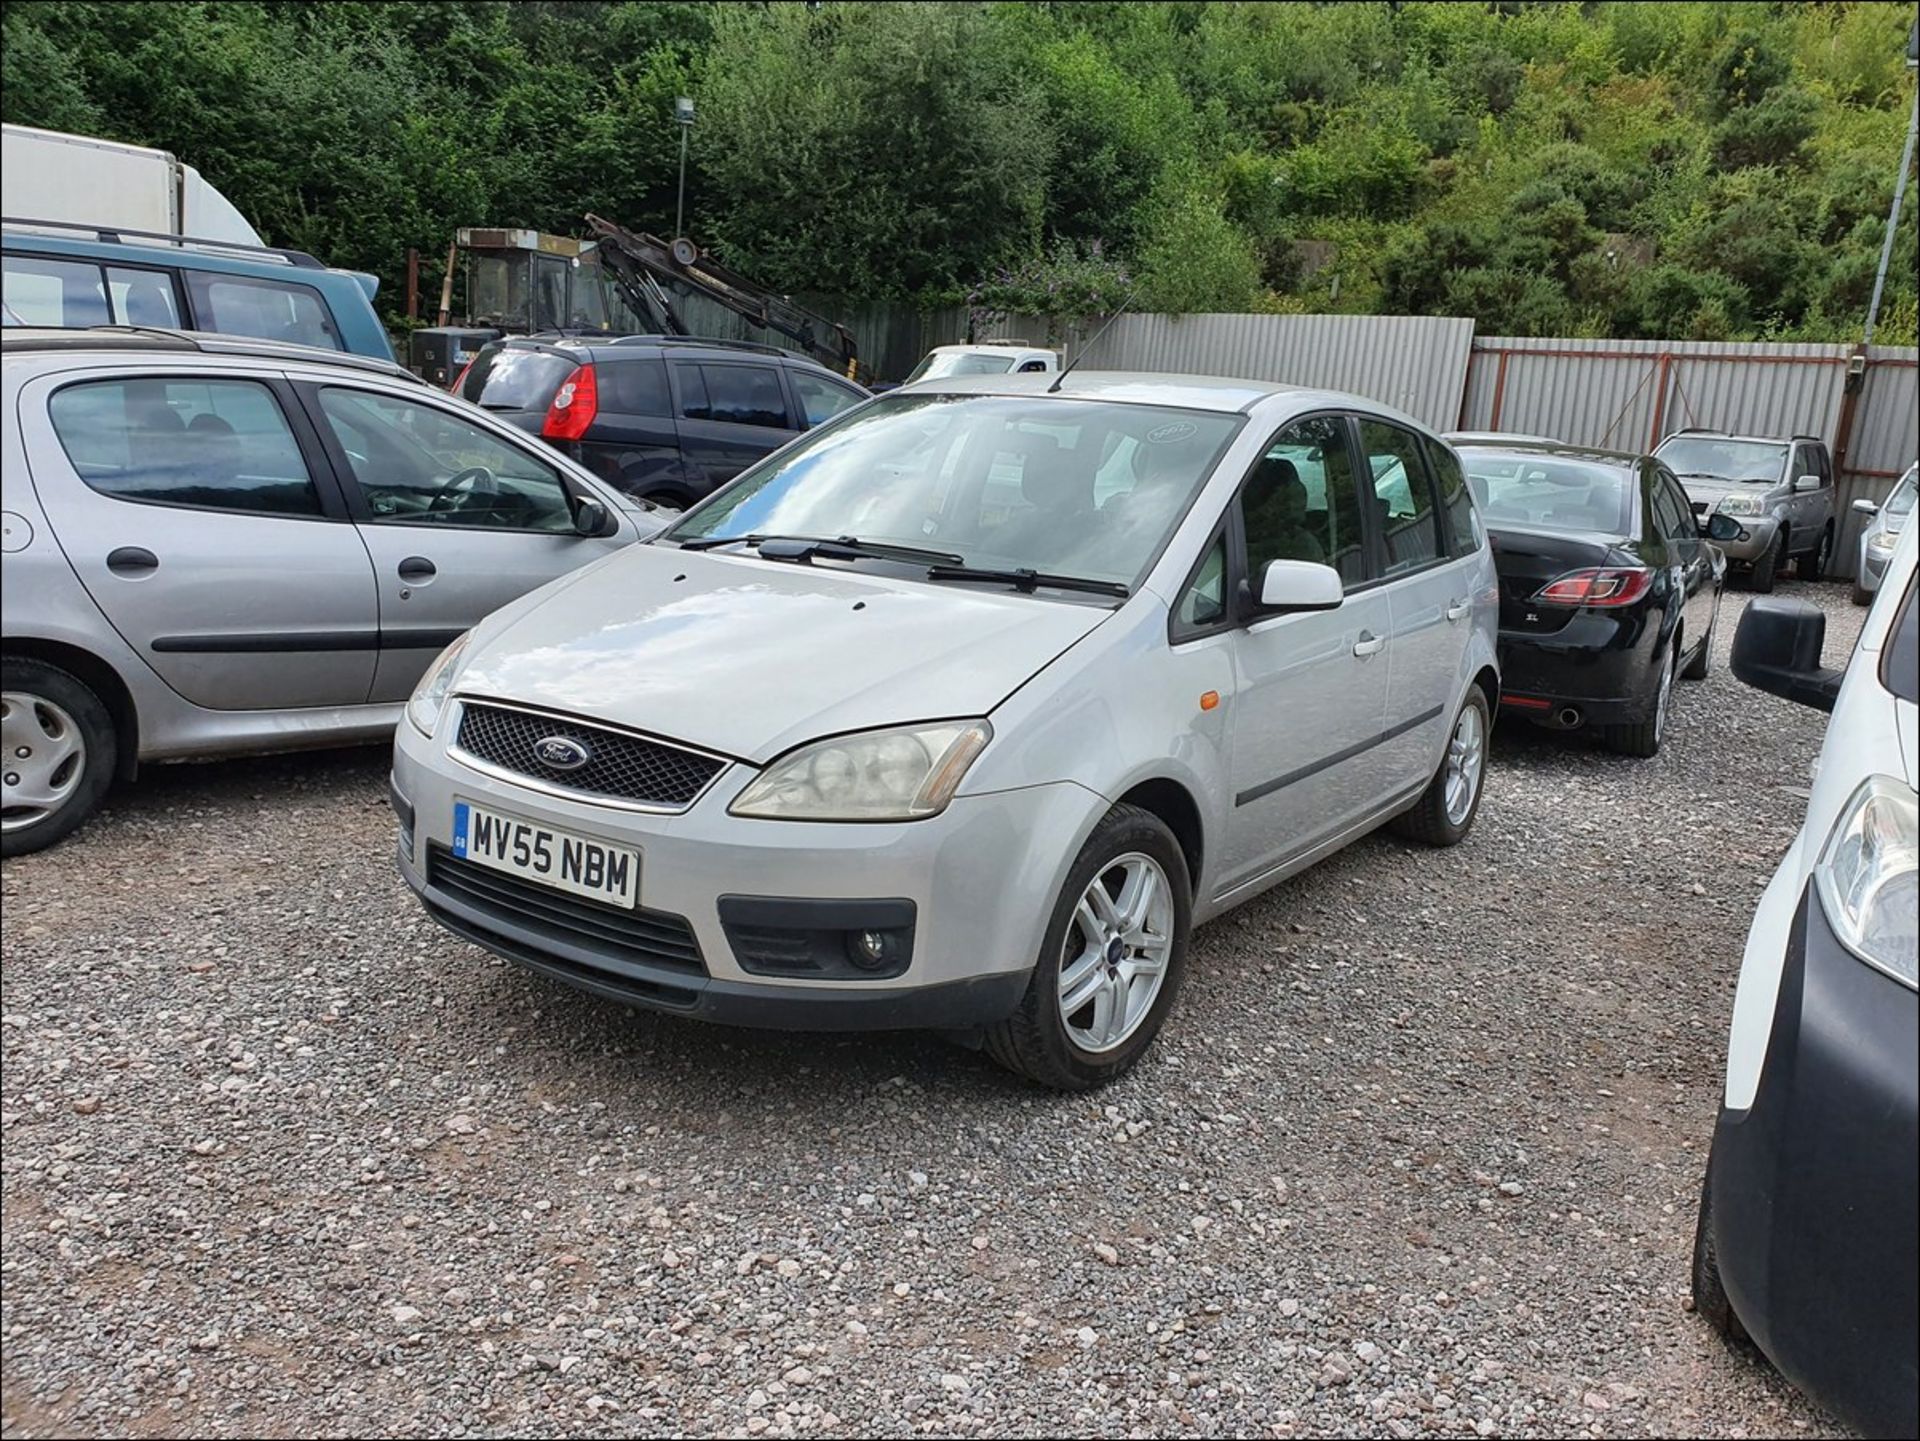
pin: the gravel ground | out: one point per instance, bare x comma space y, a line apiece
1419, 1153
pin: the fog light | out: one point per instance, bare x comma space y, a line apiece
873, 950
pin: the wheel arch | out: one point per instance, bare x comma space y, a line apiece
100, 678
1174, 804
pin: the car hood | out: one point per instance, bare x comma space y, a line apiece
1710, 490
751, 657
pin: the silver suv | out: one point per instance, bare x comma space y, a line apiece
217, 545
1778, 492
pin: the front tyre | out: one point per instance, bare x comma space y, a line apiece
1444, 813
1111, 962
1767, 569
1702, 661
56, 755
1813, 564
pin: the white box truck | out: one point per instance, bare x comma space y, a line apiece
76, 180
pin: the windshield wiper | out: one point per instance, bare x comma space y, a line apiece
1029, 580
843, 547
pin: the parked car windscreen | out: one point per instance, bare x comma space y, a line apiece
1706, 458
941, 364
515, 378
1901, 501
1072, 487
1549, 491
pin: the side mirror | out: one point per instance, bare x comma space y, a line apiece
1777, 649
1720, 527
1291, 585
1866, 507
590, 518
1806, 483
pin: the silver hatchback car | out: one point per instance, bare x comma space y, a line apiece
961, 710
216, 545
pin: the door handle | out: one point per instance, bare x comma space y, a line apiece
416, 568
1369, 644
132, 561
1459, 610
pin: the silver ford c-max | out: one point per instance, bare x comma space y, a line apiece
963, 709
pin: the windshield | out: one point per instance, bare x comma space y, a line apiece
510, 378
1901, 501
1701, 457
1549, 491
942, 363
1052, 484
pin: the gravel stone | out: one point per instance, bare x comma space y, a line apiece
279, 1155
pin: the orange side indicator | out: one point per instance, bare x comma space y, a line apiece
1210, 700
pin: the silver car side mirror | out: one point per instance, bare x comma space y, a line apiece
1807, 482
1289, 585
1866, 507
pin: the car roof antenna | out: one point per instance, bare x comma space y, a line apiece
1051, 389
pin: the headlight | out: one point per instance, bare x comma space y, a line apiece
1883, 541
1742, 505
430, 696
890, 775
1869, 877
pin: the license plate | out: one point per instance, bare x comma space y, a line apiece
557, 858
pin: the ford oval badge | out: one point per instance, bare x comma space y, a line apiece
561, 753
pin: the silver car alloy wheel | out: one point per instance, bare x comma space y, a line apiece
1114, 960
43, 758
1663, 707
1466, 757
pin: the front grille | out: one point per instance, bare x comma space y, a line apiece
629, 767
652, 938
1699, 507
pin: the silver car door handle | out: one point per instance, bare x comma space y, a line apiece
1369, 644
1459, 610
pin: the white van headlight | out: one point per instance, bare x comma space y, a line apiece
430, 696
1869, 877
890, 775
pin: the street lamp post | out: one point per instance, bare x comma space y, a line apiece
1899, 190
682, 113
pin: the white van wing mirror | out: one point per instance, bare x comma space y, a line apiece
1287, 585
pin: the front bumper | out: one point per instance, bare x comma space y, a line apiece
1814, 1185
1754, 540
1873, 567
981, 879
1600, 664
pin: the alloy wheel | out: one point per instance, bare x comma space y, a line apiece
1466, 757
1114, 961
43, 758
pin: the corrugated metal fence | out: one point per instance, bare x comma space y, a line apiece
1417, 363
1626, 394
1631, 394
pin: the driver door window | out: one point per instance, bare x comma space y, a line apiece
418, 465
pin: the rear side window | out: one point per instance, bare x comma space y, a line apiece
737, 394
634, 386
514, 378
73, 294
1456, 500
207, 444
1403, 496
820, 398
63, 293
265, 309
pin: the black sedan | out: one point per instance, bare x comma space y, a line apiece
1608, 591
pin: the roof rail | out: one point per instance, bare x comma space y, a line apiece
1814, 438
700, 340
113, 234
206, 342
